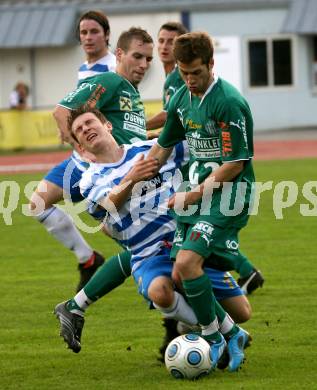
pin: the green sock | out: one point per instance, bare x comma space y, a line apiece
72, 306
109, 276
202, 300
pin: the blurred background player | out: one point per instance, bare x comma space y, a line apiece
93, 33
167, 33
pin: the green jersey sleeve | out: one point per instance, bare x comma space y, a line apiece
236, 131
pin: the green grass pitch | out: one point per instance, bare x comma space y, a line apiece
121, 337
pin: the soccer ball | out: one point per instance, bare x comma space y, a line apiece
188, 356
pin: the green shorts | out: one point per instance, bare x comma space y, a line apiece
218, 246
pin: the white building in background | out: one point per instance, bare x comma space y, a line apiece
267, 49
50, 65
274, 50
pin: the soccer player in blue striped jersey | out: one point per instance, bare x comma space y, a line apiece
121, 190
93, 32
142, 223
51, 189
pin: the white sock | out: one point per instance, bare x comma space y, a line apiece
179, 310
227, 324
212, 328
61, 226
82, 300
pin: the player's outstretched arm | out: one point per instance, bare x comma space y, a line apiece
225, 173
60, 115
141, 170
160, 154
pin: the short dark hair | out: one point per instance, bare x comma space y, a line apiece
74, 114
174, 26
98, 17
126, 37
190, 46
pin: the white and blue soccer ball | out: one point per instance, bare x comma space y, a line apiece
188, 356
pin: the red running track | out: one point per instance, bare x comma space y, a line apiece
264, 150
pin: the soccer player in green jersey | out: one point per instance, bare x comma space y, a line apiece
116, 94
217, 123
250, 278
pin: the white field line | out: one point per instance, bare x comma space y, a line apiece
26, 167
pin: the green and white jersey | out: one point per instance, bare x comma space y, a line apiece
172, 84
117, 99
218, 128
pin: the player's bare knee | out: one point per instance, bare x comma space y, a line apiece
44, 197
37, 203
238, 308
244, 313
161, 292
32, 206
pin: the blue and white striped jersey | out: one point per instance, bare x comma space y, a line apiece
104, 64
144, 224
81, 164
